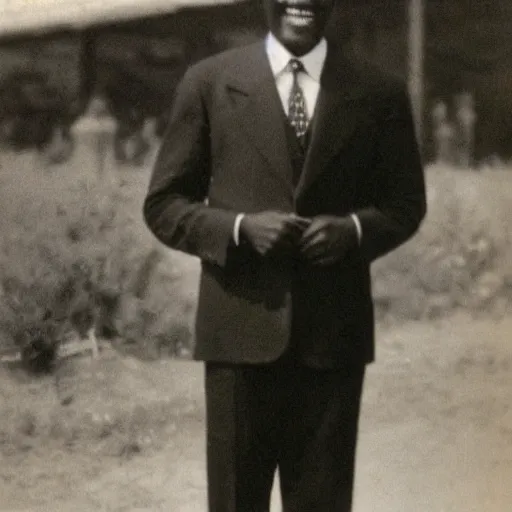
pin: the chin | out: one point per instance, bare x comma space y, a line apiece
299, 41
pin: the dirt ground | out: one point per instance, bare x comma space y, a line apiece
435, 434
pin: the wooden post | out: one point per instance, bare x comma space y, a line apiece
416, 58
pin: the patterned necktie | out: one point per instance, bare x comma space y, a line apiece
297, 113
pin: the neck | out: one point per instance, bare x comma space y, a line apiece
297, 49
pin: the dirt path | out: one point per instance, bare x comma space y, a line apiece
436, 436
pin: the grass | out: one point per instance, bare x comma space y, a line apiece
102, 413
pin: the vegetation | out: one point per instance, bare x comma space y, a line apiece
460, 258
75, 254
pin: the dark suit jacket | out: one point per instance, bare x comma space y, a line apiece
225, 152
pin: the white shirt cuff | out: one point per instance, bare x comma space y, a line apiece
359, 228
236, 228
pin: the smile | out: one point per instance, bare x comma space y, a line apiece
299, 16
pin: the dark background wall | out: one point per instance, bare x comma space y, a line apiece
468, 48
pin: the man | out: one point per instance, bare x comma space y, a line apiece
287, 169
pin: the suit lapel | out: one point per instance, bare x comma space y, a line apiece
337, 114
259, 113
256, 100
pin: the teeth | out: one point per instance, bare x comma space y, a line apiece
294, 11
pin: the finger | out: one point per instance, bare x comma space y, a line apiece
315, 229
311, 232
298, 225
294, 232
296, 236
313, 245
300, 221
288, 237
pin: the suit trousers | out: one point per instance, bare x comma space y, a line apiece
283, 415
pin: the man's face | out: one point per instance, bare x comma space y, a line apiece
298, 24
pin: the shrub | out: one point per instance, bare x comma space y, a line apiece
460, 258
75, 253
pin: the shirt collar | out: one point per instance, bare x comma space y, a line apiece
279, 57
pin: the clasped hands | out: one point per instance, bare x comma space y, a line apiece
321, 240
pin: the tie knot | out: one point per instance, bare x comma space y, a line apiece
296, 66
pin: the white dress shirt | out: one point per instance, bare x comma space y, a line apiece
309, 81
313, 63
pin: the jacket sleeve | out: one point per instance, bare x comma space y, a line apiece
397, 203
175, 208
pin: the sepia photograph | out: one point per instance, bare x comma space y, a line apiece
255, 255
